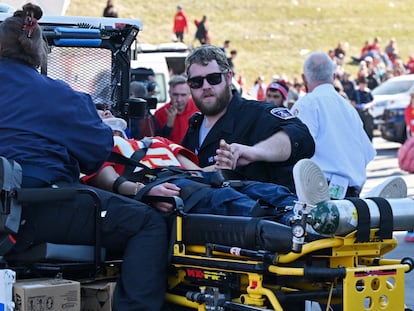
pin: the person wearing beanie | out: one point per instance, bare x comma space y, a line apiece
276, 93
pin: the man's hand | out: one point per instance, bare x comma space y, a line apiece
164, 190
171, 115
224, 157
229, 156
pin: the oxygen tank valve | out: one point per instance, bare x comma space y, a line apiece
301, 212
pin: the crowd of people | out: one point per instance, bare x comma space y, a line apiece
207, 127
375, 66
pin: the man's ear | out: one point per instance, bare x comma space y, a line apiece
230, 75
305, 83
303, 78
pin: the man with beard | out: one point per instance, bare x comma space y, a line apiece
266, 141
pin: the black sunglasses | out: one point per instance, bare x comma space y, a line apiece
212, 79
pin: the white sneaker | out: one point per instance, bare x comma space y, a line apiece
392, 188
310, 182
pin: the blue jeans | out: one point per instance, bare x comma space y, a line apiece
242, 201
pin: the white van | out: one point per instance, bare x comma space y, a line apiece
165, 60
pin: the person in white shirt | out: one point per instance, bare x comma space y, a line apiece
342, 149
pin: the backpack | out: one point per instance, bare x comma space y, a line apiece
406, 155
10, 209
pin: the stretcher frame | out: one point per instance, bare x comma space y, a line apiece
332, 270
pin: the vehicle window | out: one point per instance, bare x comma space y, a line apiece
160, 91
84, 69
393, 87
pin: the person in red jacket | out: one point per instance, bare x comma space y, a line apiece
405, 158
180, 24
409, 115
410, 64
172, 118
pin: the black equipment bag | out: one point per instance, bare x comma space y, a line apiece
10, 209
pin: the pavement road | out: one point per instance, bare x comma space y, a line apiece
383, 166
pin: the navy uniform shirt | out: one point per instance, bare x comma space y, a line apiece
52, 131
249, 122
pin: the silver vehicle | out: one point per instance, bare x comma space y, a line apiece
392, 93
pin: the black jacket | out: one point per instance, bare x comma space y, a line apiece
249, 122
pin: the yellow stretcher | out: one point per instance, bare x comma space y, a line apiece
220, 263
216, 265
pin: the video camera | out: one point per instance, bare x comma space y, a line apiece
139, 107
143, 75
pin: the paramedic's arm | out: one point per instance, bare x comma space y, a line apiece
276, 148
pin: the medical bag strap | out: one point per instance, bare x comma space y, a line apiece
193, 194
159, 180
130, 166
364, 219
134, 161
386, 225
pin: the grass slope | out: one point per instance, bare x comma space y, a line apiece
270, 35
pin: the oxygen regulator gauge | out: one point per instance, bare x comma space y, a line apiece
298, 230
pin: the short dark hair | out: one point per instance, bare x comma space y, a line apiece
362, 80
204, 54
138, 89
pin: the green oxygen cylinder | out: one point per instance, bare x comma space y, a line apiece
340, 217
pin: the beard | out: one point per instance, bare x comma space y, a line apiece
209, 108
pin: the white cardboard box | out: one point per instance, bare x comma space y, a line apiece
7, 278
46, 294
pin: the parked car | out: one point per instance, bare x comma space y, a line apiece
393, 127
394, 92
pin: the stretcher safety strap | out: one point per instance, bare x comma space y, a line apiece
364, 219
386, 225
